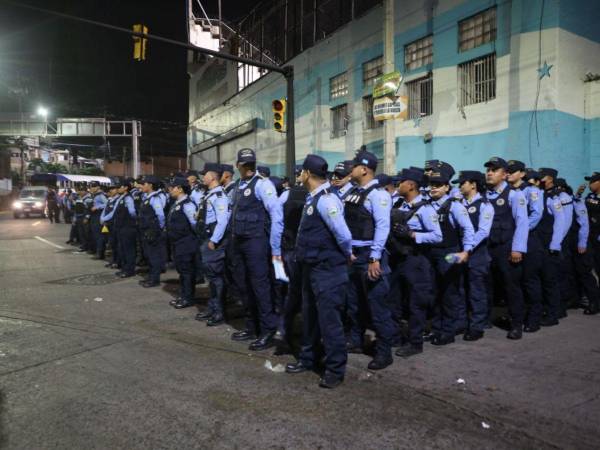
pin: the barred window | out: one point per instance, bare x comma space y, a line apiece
420, 97
477, 80
339, 121
369, 122
338, 86
418, 53
372, 70
477, 30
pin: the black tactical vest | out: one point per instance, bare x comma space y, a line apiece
592, 203
359, 219
399, 242
121, 217
503, 226
292, 214
450, 234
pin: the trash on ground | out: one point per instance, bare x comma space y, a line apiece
485, 425
460, 381
98, 299
278, 368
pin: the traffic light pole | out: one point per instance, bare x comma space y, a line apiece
286, 71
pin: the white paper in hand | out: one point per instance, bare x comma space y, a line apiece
280, 271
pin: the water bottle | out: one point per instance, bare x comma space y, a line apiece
451, 258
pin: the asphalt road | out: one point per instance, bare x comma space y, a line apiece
87, 361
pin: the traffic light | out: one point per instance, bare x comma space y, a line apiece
279, 107
139, 44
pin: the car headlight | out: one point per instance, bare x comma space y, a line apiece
17, 205
38, 204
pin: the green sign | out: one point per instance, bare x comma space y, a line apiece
387, 84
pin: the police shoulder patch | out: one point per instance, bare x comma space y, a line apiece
269, 192
332, 211
487, 216
582, 212
534, 195
434, 218
522, 201
558, 205
383, 201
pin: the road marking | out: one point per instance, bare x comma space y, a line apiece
35, 224
49, 243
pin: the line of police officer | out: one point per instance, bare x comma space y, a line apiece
360, 251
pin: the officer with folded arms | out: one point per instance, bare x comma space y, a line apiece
414, 228
324, 249
212, 220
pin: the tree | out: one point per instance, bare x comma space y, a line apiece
41, 166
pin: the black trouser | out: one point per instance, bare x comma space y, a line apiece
127, 240
82, 232
509, 276
53, 212
292, 304
185, 264
532, 280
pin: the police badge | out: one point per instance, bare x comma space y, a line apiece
247, 192
500, 202
310, 210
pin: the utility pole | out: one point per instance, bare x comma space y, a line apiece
389, 135
135, 155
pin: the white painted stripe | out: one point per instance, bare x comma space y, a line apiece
35, 224
49, 243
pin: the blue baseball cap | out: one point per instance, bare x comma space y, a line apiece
469, 175
264, 171
316, 165
365, 158
410, 175
246, 155
496, 162
384, 179
226, 168
212, 167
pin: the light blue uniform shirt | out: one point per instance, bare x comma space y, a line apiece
129, 204
424, 222
284, 197
99, 201
106, 216
459, 218
265, 192
217, 210
163, 196
196, 195
342, 191
518, 205
156, 203
331, 210
567, 202
556, 209
486, 218
379, 204
189, 209
581, 216
535, 201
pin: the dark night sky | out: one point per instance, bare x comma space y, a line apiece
79, 70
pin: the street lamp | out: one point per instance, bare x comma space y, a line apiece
42, 111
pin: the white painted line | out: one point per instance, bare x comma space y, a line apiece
49, 243
35, 224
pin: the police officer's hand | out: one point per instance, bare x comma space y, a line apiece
516, 257
462, 257
277, 258
351, 259
374, 271
211, 245
581, 250
580, 189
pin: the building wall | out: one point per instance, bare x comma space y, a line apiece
554, 121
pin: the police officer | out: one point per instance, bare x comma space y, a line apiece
89, 245
227, 179
457, 243
367, 213
551, 230
212, 220
255, 204
507, 242
125, 217
95, 210
152, 225
197, 188
324, 248
533, 259
481, 213
292, 202
592, 204
80, 214
414, 228
341, 181
107, 222
181, 226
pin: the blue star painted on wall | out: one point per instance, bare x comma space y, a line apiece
545, 70
417, 122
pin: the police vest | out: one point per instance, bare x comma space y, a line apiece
122, 218
503, 225
179, 230
545, 228
450, 234
292, 214
79, 207
316, 243
204, 230
249, 214
229, 188
91, 205
359, 219
474, 210
137, 199
110, 205
592, 203
147, 217
399, 242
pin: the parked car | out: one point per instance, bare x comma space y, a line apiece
32, 200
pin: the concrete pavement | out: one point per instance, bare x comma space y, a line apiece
88, 361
